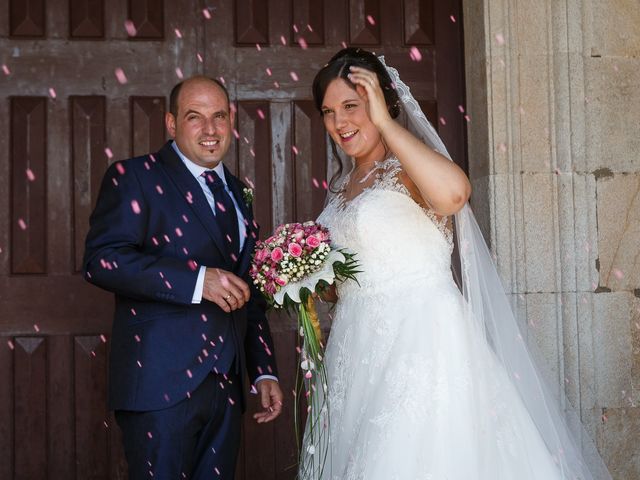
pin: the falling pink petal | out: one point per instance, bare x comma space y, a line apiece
276, 84
52, 92
500, 38
315, 183
295, 149
30, 175
36, 327
249, 182
22, 224
147, 166
206, 13
178, 232
371, 20
135, 206
236, 134
309, 27
294, 76
200, 59
325, 185
268, 70
443, 121
167, 284
177, 32
252, 152
185, 219
159, 189
155, 241
10, 344
502, 147
120, 75
137, 338
452, 18
193, 266
460, 108
344, 44
618, 274
130, 28
260, 113
467, 118
149, 435
303, 43
231, 401
415, 54
166, 239
283, 40
295, 28
222, 80
220, 207
6, 70
258, 47
179, 73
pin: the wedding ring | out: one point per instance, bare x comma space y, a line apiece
227, 297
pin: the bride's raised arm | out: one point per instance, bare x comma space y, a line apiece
443, 185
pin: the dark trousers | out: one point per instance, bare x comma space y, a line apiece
196, 439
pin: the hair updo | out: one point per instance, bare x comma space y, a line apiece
339, 67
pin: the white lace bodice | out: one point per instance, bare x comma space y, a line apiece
392, 236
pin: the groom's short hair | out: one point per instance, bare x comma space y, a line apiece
175, 91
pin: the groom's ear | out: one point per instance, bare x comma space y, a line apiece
170, 124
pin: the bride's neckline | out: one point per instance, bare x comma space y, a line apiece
342, 200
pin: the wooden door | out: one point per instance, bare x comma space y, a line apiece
84, 83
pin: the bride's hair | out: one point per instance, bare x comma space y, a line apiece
338, 67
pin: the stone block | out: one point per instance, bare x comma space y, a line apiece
618, 207
613, 28
617, 441
540, 242
612, 105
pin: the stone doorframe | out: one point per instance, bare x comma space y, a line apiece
554, 175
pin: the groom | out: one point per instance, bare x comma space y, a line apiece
171, 236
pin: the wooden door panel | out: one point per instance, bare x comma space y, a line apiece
88, 84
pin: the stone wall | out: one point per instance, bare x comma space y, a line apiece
553, 91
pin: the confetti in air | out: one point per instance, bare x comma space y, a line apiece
135, 206
179, 73
52, 92
200, 59
22, 224
303, 43
268, 70
178, 32
452, 18
6, 70
206, 13
443, 121
283, 40
120, 76
371, 20
30, 175
294, 76
500, 38
415, 54
258, 47
130, 28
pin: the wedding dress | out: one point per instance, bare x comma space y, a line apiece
415, 391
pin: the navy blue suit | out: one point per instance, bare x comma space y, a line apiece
151, 230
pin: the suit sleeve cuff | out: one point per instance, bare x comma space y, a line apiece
197, 292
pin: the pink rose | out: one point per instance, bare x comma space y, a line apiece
295, 250
262, 255
281, 281
277, 254
270, 288
313, 241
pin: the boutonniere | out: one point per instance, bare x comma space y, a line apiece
247, 194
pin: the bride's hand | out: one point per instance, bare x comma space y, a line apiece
328, 294
368, 87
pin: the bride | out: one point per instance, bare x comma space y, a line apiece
423, 382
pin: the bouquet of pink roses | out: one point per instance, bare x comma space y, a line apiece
288, 268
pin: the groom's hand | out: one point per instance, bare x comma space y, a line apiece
225, 289
271, 400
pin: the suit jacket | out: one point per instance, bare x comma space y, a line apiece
150, 231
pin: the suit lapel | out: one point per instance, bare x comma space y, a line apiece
192, 192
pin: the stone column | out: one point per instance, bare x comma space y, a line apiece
553, 90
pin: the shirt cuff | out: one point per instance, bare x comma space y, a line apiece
265, 377
197, 292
